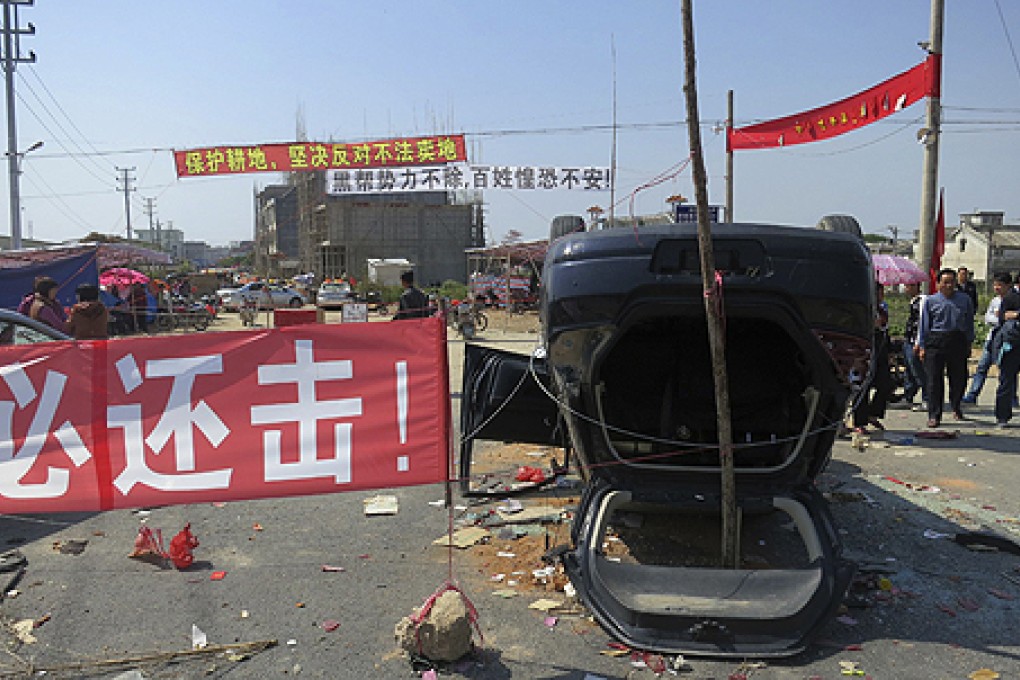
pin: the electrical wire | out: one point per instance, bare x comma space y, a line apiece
1009, 39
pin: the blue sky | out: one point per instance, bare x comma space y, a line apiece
128, 81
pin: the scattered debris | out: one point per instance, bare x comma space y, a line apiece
1001, 594
545, 604
528, 515
850, 668
984, 674
550, 621
968, 604
23, 630
331, 568
527, 473
181, 547
217, 576
198, 638
70, 546
510, 506
506, 593
463, 538
381, 505
329, 625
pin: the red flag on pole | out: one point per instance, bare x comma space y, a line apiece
939, 247
855, 111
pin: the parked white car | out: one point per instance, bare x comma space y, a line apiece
264, 295
334, 295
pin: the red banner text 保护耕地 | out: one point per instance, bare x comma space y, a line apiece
856, 111
292, 411
310, 156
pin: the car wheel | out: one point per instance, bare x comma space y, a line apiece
296, 302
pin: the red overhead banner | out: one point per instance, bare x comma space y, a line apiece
294, 411
848, 114
309, 156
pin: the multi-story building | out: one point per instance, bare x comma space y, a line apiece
338, 234
276, 247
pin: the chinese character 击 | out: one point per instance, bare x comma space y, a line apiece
307, 412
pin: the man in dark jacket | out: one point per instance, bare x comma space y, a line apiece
413, 303
89, 317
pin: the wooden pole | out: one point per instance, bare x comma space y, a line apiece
716, 338
930, 172
729, 158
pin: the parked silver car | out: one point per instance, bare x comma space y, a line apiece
264, 295
18, 329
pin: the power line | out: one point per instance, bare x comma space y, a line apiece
1009, 40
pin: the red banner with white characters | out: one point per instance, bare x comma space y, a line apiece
310, 156
292, 411
848, 114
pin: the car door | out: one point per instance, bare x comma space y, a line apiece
505, 397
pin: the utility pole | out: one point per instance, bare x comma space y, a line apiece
713, 306
126, 180
930, 138
12, 56
729, 158
150, 210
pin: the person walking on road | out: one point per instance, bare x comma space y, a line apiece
412, 304
945, 336
915, 380
964, 283
1002, 284
1009, 357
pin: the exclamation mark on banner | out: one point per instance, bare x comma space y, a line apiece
402, 462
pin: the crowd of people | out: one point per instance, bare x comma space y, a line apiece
938, 335
97, 313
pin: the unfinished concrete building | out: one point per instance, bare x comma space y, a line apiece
338, 234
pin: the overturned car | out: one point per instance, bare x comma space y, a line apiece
624, 382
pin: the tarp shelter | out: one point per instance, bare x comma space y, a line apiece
513, 266
68, 265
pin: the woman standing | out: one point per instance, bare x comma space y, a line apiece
42, 304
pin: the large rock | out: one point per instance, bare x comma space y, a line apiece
443, 635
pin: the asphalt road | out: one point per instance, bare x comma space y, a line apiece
945, 616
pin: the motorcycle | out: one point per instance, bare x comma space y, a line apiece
462, 317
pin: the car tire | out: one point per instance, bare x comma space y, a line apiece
295, 303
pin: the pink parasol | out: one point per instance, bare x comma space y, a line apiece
121, 276
892, 270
